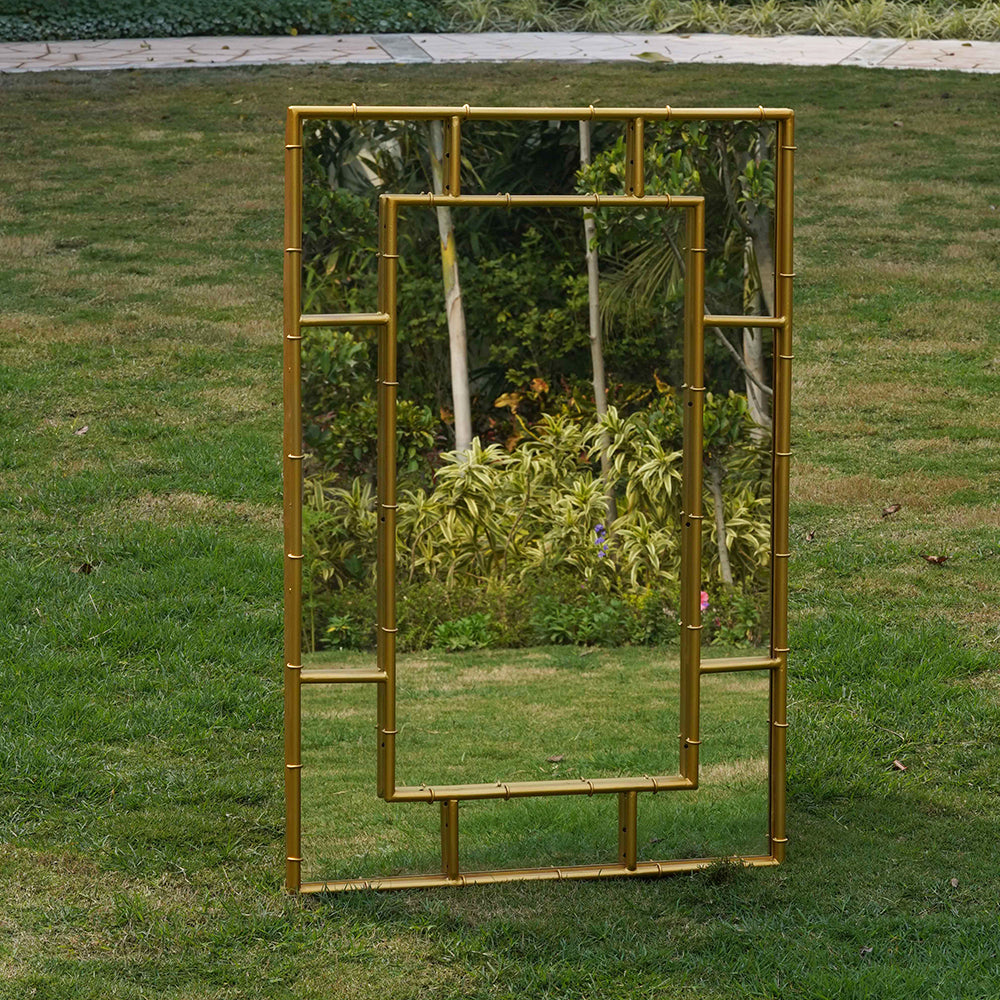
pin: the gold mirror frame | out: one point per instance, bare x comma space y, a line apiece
692, 665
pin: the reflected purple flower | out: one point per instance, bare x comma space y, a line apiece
601, 541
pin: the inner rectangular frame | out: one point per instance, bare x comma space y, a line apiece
692, 664
693, 399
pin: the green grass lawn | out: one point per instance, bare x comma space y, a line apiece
140, 795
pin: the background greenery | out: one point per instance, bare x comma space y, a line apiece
884, 18
140, 760
56, 19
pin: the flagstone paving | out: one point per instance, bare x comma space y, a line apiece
498, 46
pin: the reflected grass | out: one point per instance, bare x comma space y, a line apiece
529, 715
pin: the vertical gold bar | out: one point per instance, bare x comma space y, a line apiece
691, 490
781, 461
380, 698
452, 166
386, 503
292, 479
449, 838
635, 159
627, 822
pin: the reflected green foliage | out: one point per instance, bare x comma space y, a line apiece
503, 518
730, 166
527, 499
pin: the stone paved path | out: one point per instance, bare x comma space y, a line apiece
792, 50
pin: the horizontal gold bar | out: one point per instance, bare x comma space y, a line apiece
590, 113
521, 789
342, 677
548, 200
343, 319
642, 868
726, 664
778, 322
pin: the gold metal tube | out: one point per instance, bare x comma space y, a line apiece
380, 697
570, 872
781, 457
775, 321
627, 823
635, 159
727, 664
292, 479
691, 489
343, 319
341, 677
452, 166
449, 838
524, 789
384, 318
550, 201
386, 502
466, 113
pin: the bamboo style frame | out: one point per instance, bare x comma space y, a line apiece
692, 665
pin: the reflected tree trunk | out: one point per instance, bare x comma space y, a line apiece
596, 344
457, 343
715, 474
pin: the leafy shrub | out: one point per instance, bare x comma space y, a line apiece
608, 621
37, 20
343, 632
350, 612
656, 617
553, 610
531, 522
502, 517
342, 411
472, 632
734, 618
421, 609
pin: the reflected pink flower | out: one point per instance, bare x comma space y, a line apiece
704, 600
